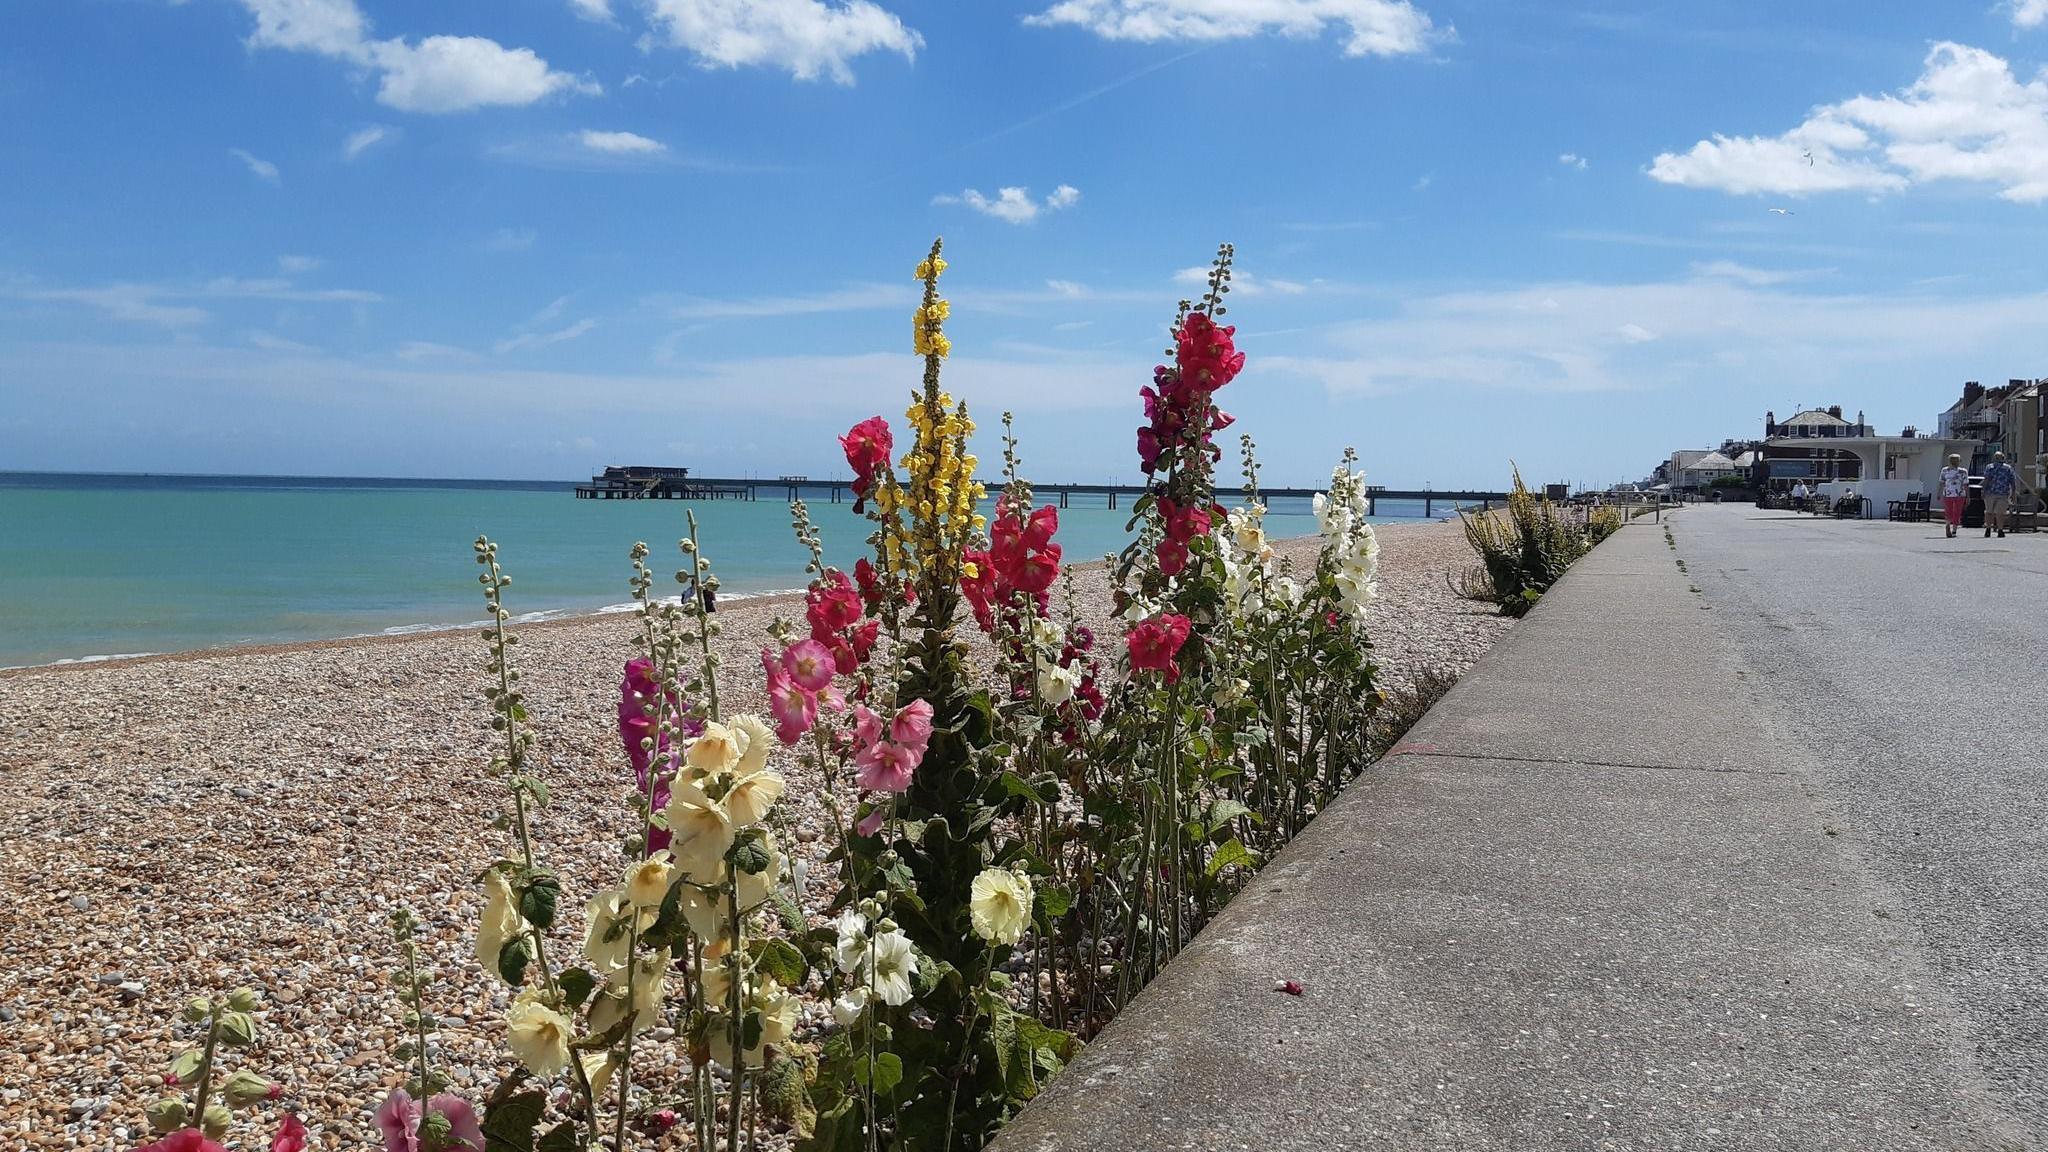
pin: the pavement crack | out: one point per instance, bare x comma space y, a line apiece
1435, 753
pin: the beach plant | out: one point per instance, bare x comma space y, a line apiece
1526, 550
203, 1093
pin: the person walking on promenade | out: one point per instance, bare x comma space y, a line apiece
1799, 495
1955, 489
1999, 483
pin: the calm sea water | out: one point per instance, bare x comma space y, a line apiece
98, 566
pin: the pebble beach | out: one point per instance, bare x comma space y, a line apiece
187, 824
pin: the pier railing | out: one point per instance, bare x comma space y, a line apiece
834, 491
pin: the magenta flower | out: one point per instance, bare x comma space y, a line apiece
291, 1135
398, 1118
912, 726
810, 664
867, 727
794, 709
886, 766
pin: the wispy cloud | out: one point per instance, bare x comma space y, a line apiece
258, 167
854, 298
531, 340
1014, 205
1242, 283
298, 265
620, 143
2028, 13
363, 139
596, 11
509, 240
425, 351
272, 342
1572, 160
173, 305
1375, 27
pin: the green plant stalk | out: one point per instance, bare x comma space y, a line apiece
967, 1046
204, 1087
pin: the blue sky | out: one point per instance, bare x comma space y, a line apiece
525, 238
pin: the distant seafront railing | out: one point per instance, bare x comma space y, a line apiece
836, 491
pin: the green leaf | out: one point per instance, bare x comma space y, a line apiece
577, 984
888, 1073
781, 960
1231, 852
1018, 788
538, 898
750, 1030
560, 1138
1054, 901
1223, 810
512, 961
750, 856
509, 1118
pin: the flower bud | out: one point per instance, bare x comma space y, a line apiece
244, 1000
185, 1069
215, 1121
237, 1029
197, 1009
166, 1115
243, 1088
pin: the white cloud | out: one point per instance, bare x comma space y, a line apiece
1014, 205
273, 288
1583, 337
528, 340
364, 139
296, 265
509, 240
2029, 13
260, 168
272, 342
620, 143
854, 298
1572, 160
1241, 283
421, 351
1759, 277
595, 10
1376, 27
168, 305
1067, 288
438, 74
1966, 118
808, 38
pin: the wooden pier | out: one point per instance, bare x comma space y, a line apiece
637, 483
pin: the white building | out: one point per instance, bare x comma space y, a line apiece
1892, 467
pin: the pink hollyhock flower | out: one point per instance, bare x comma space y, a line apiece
1173, 557
872, 822
1154, 643
1040, 570
398, 1119
867, 727
291, 1135
184, 1140
886, 767
1206, 354
662, 1121
794, 709
912, 726
810, 665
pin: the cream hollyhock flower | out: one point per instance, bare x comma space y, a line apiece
501, 921
853, 940
704, 912
895, 964
760, 741
717, 984
778, 1012
752, 795
849, 1006
718, 750
647, 882
703, 832
598, 1067
609, 937
1048, 635
538, 1035
1000, 905
1056, 685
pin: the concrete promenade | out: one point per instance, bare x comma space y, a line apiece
1566, 915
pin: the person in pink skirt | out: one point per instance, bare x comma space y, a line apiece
1955, 492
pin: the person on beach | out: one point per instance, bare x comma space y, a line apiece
1999, 483
1955, 490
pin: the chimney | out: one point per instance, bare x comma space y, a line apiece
1835, 410
1971, 392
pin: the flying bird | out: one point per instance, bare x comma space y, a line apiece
1781, 212
1809, 159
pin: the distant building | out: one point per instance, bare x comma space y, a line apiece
1837, 457
1804, 447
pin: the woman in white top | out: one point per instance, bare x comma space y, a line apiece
1955, 492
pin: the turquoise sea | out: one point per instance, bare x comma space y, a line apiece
93, 566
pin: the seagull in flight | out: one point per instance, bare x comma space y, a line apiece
1781, 212
1809, 159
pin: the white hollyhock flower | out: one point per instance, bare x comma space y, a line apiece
853, 940
1000, 905
895, 964
1056, 685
